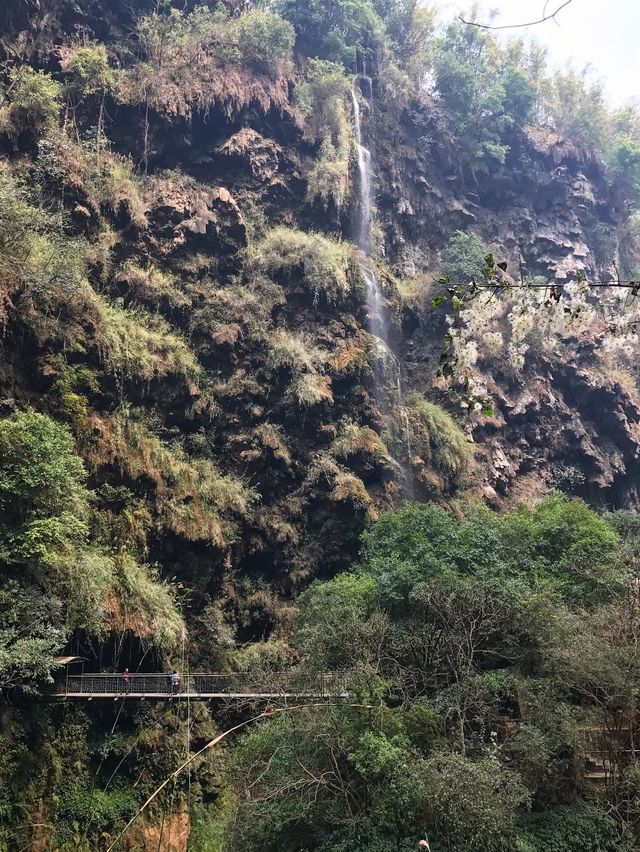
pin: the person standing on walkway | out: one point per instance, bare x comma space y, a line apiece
125, 679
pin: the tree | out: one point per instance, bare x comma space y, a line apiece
575, 106
29, 635
451, 628
54, 576
483, 93
337, 778
472, 805
463, 258
626, 164
44, 553
43, 499
337, 30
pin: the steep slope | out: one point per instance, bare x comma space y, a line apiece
181, 289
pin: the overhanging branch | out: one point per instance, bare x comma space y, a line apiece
545, 17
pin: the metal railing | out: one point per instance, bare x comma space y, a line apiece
234, 685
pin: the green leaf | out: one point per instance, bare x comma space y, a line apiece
487, 410
439, 300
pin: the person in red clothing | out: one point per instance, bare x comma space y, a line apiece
125, 678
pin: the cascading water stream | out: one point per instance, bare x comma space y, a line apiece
387, 376
364, 173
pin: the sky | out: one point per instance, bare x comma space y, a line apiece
600, 33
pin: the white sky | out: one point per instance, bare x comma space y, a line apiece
600, 33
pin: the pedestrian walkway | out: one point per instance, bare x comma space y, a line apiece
238, 686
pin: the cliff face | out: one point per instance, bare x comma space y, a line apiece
550, 206
242, 167
564, 417
213, 360
566, 414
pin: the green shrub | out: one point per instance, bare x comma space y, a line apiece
191, 60
138, 345
292, 351
44, 558
303, 363
354, 439
80, 804
331, 29
322, 98
328, 177
40, 473
207, 827
68, 394
463, 258
264, 39
324, 267
350, 488
154, 287
437, 443
573, 828
117, 185
472, 805
32, 101
42, 270
92, 73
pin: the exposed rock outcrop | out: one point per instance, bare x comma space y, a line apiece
185, 217
163, 833
567, 427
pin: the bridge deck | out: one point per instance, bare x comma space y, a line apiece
194, 696
234, 687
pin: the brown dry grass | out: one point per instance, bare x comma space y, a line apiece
180, 90
191, 497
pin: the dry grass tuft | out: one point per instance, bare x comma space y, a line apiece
191, 497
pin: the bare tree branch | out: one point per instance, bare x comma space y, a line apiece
265, 715
545, 17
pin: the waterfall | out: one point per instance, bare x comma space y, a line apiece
364, 174
387, 376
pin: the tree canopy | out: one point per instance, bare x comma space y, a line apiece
461, 638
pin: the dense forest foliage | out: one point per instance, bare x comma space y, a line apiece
207, 463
